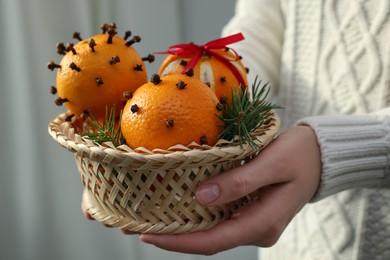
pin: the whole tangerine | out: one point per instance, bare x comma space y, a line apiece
171, 110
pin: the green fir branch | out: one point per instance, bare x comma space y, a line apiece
246, 112
106, 131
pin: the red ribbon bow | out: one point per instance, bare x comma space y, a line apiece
208, 48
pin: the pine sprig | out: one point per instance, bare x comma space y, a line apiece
246, 113
106, 131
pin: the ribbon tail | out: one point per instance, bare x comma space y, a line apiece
222, 42
232, 68
180, 49
193, 61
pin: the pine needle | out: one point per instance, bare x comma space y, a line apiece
246, 113
106, 131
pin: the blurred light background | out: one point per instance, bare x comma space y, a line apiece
40, 190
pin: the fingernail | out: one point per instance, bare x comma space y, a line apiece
145, 238
128, 232
89, 216
207, 193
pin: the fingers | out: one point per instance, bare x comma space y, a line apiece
207, 242
294, 154
84, 207
260, 223
263, 170
127, 232
89, 216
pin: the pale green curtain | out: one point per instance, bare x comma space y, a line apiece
40, 191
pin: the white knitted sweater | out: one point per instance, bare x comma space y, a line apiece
329, 64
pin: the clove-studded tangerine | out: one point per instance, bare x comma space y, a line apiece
171, 110
95, 72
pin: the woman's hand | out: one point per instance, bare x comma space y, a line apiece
286, 175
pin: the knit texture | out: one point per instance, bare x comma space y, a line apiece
355, 152
329, 57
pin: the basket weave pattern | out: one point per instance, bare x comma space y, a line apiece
153, 192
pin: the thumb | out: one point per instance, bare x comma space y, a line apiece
238, 182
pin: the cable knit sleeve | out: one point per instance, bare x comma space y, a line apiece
262, 25
355, 151
355, 148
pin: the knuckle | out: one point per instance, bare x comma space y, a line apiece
240, 185
282, 170
215, 248
210, 252
271, 235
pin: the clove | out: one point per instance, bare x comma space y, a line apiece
70, 47
181, 84
51, 65
183, 63
53, 90
61, 49
76, 35
113, 25
59, 101
92, 44
105, 27
222, 79
127, 35
223, 100
149, 58
99, 81
138, 67
155, 79
69, 118
73, 66
169, 123
190, 72
111, 33
127, 95
85, 114
134, 108
115, 60
203, 140
135, 39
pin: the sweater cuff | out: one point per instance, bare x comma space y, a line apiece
354, 152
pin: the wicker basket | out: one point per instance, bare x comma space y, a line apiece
153, 192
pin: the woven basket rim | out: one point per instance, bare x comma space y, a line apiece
63, 133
